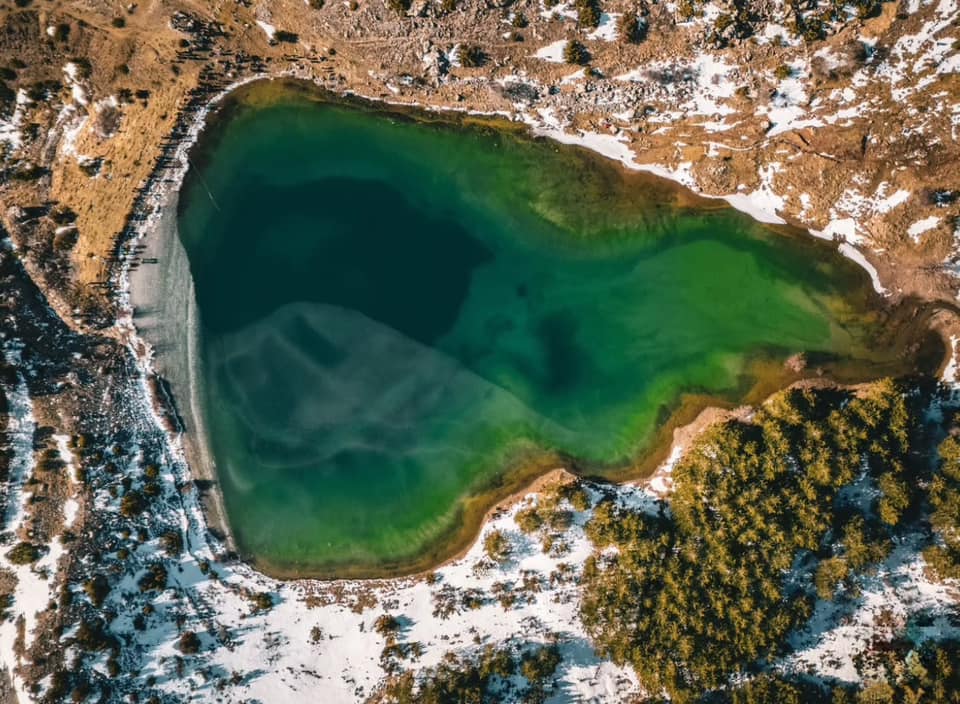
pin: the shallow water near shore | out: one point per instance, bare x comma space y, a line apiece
402, 319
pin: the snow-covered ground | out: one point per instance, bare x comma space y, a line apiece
552, 52
898, 596
320, 641
921, 226
32, 591
10, 128
607, 28
268, 29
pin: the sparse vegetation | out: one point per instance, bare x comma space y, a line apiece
505, 594
478, 680
445, 602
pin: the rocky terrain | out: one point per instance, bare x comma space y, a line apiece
842, 119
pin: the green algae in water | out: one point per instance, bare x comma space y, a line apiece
394, 312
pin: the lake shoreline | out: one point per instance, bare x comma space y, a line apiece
141, 286
166, 317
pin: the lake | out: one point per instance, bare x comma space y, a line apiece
404, 318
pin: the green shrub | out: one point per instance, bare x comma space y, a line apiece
97, 588
575, 53
579, 498
944, 497
686, 10
386, 625
724, 21
630, 29
24, 553
155, 578
189, 643
172, 543
496, 546
830, 573
91, 636
588, 13
472, 56
528, 520
262, 601
132, 504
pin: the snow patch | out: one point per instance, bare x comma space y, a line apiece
949, 375
31, 592
835, 639
268, 29
607, 29
552, 52
885, 205
787, 110
921, 226
851, 252
10, 129
763, 203
70, 506
77, 90
845, 228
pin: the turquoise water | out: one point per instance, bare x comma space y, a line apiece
396, 313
